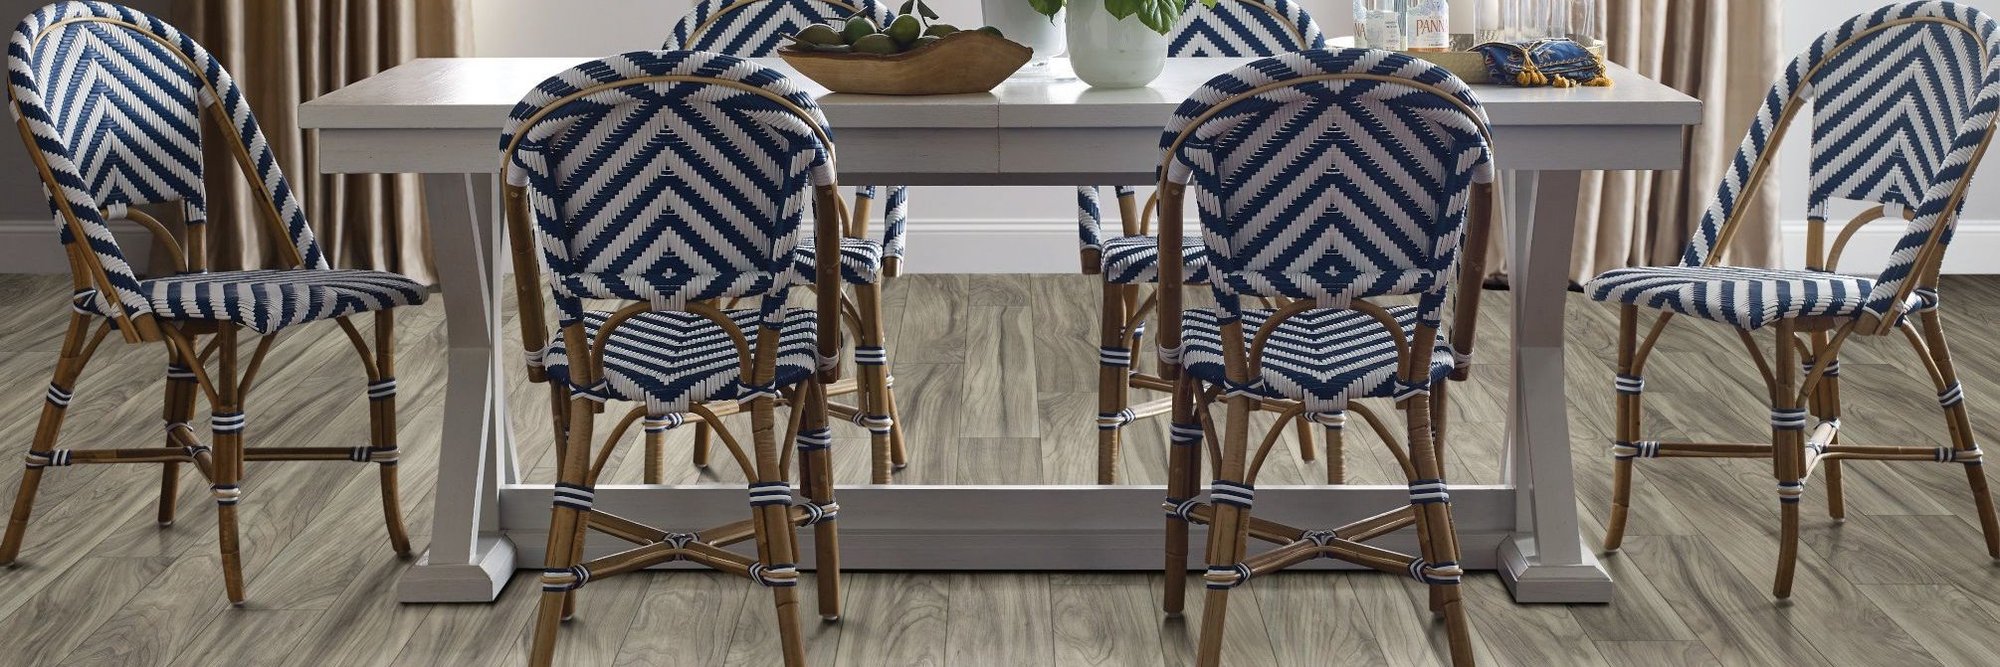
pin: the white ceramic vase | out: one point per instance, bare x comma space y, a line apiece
1018, 21
1109, 52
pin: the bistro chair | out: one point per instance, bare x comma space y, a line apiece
1284, 158
755, 29
1130, 260
669, 180
1902, 103
110, 103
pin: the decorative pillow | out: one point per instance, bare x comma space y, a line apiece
1560, 63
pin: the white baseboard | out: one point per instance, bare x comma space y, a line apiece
30, 246
1975, 247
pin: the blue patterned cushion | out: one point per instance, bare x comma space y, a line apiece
669, 359
860, 262
1135, 260
1747, 298
270, 300
1322, 357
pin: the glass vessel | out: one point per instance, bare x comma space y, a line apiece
1380, 24
1524, 20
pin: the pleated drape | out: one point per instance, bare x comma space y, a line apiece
284, 52
1725, 52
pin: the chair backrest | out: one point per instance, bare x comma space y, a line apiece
667, 176
112, 99
1243, 29
1331, 175
1903, 102
756, 28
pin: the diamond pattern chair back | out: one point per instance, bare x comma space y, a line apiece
1902, 104
756, 28
113, 98
1331, 175
1243, 29
667, 176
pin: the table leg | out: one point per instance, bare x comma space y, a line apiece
1545, 560
468, 559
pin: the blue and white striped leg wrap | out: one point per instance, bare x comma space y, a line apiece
1427, 491
770, 493
1788, 419
53, 457
1630, 385
1225, 492
1447, 573
871, 356
59, 397
1180, 508
658, 424
680, 540
817, 513
179, 373
1789, 492
382, 390
1643, 449
1969, 457
225, 494
1115, 357
1112, 421
1185, 435
1225, 577
1819, 446
776, 575
564, 579
1951, 396
1832, 369
876, 424
575, 496
1332, 419
815, 439
227, 422
383, 455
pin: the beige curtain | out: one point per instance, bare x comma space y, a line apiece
283, 52
1725, 52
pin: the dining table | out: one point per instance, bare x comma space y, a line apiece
441, 118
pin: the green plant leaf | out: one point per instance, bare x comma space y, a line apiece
1123, 9
907, 6
1159, 15
1046, 7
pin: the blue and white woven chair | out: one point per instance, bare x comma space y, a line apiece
671, 180
1130, 260
755, 29
1283, 157
110, 102
1902, 102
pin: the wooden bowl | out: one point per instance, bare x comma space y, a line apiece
967, 61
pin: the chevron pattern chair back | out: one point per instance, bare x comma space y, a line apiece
1244, 29
1331, 175
756, 28
113, 99
1903, 103
667, 176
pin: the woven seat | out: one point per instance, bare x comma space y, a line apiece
270, 300
669, 359
1321, 357
1135, 260
1747, 298
860, 262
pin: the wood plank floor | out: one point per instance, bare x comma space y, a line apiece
996, 374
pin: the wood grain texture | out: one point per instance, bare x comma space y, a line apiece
1903, 578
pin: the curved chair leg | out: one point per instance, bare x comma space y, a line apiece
226, 425
1183, 473
899, 455
775, 533
816, 478
178, 410
703, 436
1825, 405
656, 457
565, 517
871, 358
1114, 363
1953, 400
1336, 454
1437, 541
1788, 420
382, 428
40, 454
1305, 435
1626, 427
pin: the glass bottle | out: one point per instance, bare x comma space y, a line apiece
1378, 24
1429, 25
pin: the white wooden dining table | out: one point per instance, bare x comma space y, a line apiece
441, 118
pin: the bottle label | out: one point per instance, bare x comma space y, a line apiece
1383, 30
1430, 27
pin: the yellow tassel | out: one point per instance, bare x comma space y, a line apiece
1601, 81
